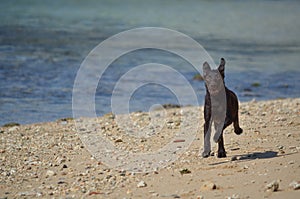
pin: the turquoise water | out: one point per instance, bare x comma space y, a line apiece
42, 44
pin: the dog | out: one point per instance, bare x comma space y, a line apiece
220, 108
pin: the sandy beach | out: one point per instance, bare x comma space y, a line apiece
48, 160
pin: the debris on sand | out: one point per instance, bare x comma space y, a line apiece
295, 185
185, 171
273, 186
141, 184
209, 186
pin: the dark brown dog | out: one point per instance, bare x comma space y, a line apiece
215, 104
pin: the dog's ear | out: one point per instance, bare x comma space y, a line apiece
221, 68
206, 68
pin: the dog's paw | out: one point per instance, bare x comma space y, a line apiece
205, 154
238, 131
221, 154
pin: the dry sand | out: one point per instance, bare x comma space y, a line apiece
48, 160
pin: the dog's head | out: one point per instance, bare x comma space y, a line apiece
214, 79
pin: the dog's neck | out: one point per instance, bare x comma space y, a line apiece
217, 93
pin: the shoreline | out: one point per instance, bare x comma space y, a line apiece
49, 160
166, 106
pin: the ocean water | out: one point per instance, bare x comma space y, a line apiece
43, 43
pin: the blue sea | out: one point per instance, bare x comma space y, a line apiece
43, 43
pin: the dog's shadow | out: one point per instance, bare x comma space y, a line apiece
252, 156
258, 155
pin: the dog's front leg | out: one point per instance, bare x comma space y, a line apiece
207, 134
218, 131
218, 138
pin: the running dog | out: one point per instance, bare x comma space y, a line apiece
220, 103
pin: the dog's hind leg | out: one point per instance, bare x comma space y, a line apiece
234, 112
237, 129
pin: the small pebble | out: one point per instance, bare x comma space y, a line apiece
14, 128
141, 184
295, 185
280, 147
50, 173
61, 181
118, 140
273, 186
291, 162
234, 196
27, 193
234, 158
209, 186
184, 171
